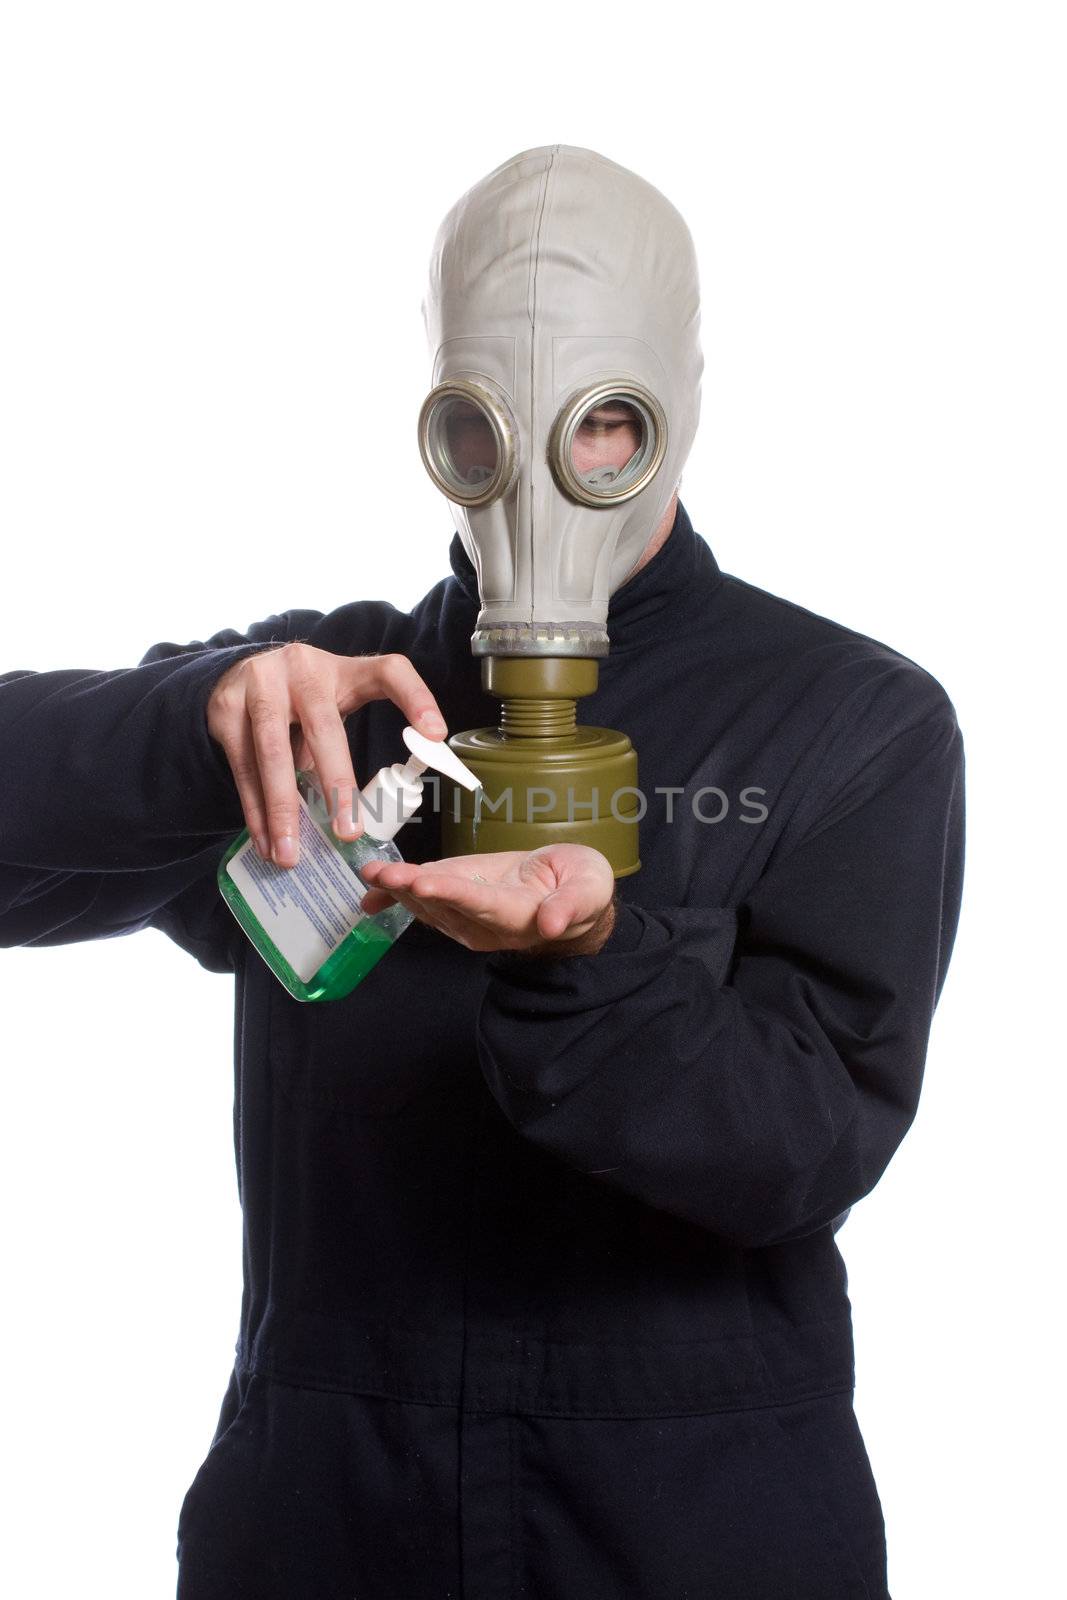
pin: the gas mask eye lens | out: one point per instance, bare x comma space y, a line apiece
605, 442
464, 442
608, 443
467, 442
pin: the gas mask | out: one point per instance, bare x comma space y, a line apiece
563, 321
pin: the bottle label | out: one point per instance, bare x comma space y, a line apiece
308, 910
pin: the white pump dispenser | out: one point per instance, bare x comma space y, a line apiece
394, 794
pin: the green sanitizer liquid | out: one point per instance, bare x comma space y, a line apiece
307, 921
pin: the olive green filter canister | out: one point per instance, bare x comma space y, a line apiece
546, 779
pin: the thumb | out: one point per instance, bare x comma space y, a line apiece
559, 910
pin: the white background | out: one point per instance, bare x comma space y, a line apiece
215, 226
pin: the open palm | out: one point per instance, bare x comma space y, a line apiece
508, 900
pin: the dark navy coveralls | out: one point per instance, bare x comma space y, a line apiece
542, 1296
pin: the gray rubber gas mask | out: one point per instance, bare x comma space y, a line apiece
563, 321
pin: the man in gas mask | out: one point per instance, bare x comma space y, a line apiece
542, 1291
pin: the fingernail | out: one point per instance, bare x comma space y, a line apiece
285, 851
343, 825
434, 725
263, 846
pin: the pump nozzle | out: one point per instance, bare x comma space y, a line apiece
395, 793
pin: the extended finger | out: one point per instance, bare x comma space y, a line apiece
277, 775
407, 882
392, 889
504, 907
324, 733
376, 900
466, 895
432, 915
392, 677
241, 754
389, 874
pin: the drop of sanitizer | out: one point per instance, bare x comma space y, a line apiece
477, 815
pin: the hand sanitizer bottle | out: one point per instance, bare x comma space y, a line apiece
307, 921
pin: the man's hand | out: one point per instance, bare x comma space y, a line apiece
284, 709
557, 900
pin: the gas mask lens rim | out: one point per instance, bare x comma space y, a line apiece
641, 468
488, 425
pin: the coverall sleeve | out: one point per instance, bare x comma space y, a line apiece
753, 1068
118, 804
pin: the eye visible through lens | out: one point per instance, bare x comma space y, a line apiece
608, 438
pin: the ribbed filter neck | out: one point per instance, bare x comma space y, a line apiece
538, 719
539, 695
